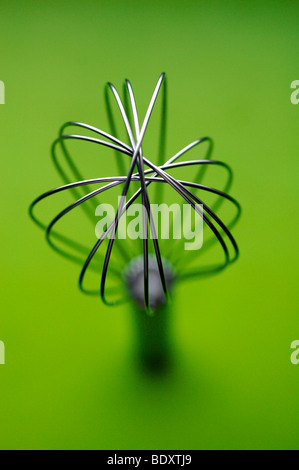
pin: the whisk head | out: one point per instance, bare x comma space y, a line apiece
148, 277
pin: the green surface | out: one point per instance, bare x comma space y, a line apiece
70, 379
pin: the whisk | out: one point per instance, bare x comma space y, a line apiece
148, 278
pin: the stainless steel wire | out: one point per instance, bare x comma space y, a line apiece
145, 176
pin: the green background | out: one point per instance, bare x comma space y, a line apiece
70, 380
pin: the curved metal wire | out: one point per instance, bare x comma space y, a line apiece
152, 174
